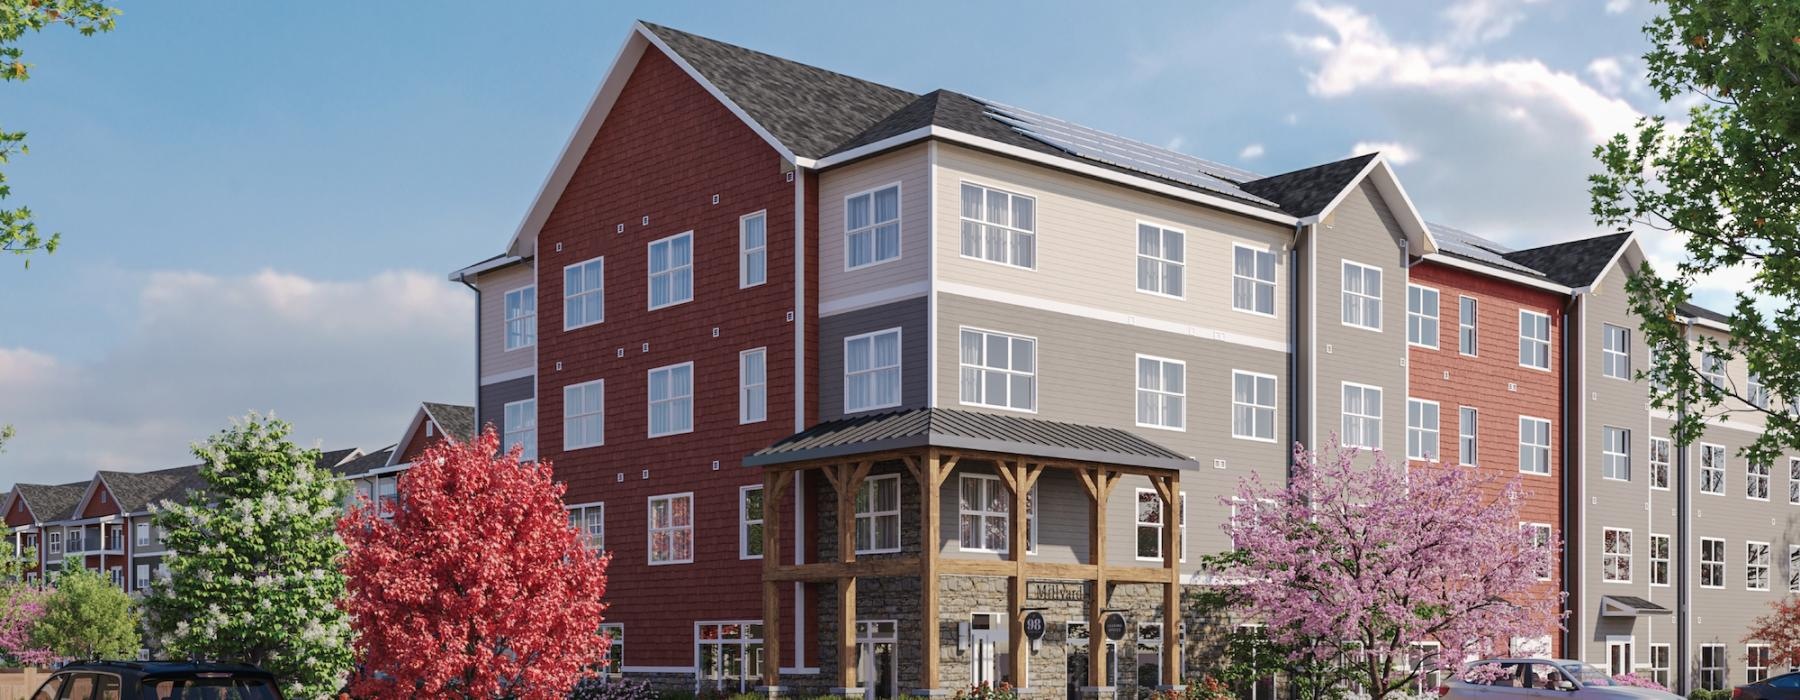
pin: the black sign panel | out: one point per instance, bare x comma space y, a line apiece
1034, 625
1115, 627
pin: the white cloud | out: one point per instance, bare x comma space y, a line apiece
345, 361
1608, 72
1393, 152
1251, 152
1480, 21
1614, 7
1175, 144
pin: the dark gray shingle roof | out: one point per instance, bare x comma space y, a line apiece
135, 490
1696, 311
1572, 264
362, 465
1305, 192
1468, 246
50, 503
456, 421
970, 430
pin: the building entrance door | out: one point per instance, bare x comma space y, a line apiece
987, 643
876, 642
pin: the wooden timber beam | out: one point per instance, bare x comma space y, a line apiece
1172, 547
1020, 479
929, 476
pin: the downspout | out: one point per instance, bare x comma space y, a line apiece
464, 279
1293, 363
1683, 534
1572, 573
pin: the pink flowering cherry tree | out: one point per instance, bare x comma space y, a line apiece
1388, 571
21, 606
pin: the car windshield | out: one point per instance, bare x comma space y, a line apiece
209, 689
1587, 674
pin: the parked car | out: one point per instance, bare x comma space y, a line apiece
1783, 687
1543, 679
158, 680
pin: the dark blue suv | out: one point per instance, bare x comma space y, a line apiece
158, 680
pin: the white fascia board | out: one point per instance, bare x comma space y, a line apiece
406, 438
1631, 244
484, 266
1496, 273
1411, 223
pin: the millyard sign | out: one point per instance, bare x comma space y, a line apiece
1056, 591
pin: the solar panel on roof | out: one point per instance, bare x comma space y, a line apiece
1100, 146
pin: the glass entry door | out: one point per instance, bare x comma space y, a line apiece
877, 667
987, 644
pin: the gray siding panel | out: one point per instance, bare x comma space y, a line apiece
1363, 230
909, 316
491, 406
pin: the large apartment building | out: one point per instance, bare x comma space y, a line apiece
877, 392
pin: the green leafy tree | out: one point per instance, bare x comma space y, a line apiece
88, 617
1727, 183
18, 231
6, 433
254, 576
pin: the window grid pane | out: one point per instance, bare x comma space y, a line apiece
1161, 393
872, 371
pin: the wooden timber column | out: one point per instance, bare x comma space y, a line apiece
929, 474
1169, 488
1099, 483
1020, 477
774, 483
846, 479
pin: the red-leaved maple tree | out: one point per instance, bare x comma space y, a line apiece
478, 587
1780, 629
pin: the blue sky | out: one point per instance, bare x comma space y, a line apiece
261, 200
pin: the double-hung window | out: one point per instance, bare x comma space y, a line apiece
1362, 416
1422, 316
143, 535
1150, 522
1757, 392
55, 542
1712, 469
1615, 453
1534, 340
520, 309
1421, 429
589, 522
1161, 260
1712, 368
1756, 481
1756, 662
753, 249
672, 270
1534, 445
584, 294
615, 648
872, 371
1659, 560
672, 399
1712, 666
1615, 352
1252, 406
1252, 280
983, 504
999, 226
872, 227
1362, 296
672, 529
1793, 570
1468, 309
519, 427
753, 386
1541, 538
1161, 393
750, 522
1712, 562
1468, 436
584, 415
998, 370
1615, 557
1793, 481
1659, 463
1756, 566
878, 515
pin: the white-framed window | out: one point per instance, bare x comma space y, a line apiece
671, 399
1756, 481
671, 529
1534, 340
1615, 351
1615, 555
753, 385
1615, 453
671, 270
1252, 406
615, 648
982, 507
1793, 570
998, 370
589, 521
518, 426
584, 294
1361, 416
54, 541
1712, 562
1542, 537
143, 534
1712, 369
1660, 664
1468, 436
1756, 662
1150, 525
1619, 653
1659, 559
1534, 445
1161, 260
1468, 311
1362, 296
1252, 280
872, 371
141, 580
999, 226
878, 515
1712, 666
1712, 469
387, 496
728, 656
1756, 566
872, 227
750, 522
1757, 392
1161, 393
1421, 429
1422, 316
519, 307
753, 249
584, 415
1659, 463
1793, 481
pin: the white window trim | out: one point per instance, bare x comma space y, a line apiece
1253, 280
744, 389
506, 431
984, 368
1549, 539
581, 509
899, 224
1606, 451
1475, 437
993, 481
650, 527
1438, 431
900, 396
1010, 193
142, 535
567, 447
1793, 572
1437, 317
1381, 418
1768, 662
1158, 258
1652, 559
898, 514
1701, 558
1181, 525
1605, 330
744, 250
506, 344
1474, 326
650, 403
1377, 296
565, 297
1549, 453
1768, 565
650, 275
1700, 464
1139, 420
744, 521
1767, 478
1275, 413
1549, 340
1668, 464
1629, 555
1793, 481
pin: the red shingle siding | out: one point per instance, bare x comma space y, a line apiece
1495, 385
418, 442
665, 150
100, 503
